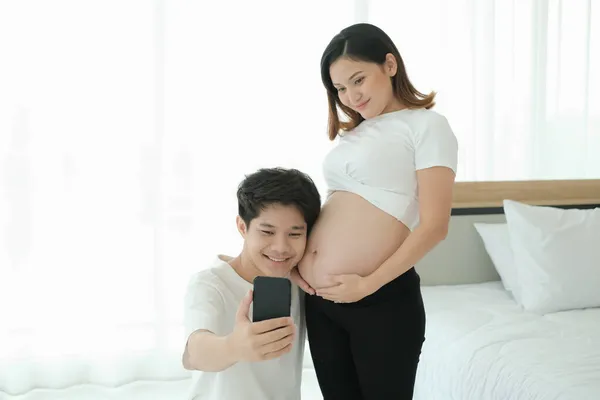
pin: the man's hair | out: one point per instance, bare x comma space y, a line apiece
269, 186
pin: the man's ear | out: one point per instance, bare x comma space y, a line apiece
241, 226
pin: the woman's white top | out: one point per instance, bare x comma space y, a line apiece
378, 160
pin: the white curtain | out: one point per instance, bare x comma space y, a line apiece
125, 126
519, 80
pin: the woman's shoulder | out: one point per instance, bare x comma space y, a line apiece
425, 116
422, 121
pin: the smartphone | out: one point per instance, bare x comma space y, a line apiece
272, 298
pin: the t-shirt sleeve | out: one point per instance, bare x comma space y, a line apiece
436, 145
204, 307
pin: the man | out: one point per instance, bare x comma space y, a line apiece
234, 358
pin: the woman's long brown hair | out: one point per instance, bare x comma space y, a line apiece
366, 42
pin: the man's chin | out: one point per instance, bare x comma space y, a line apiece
277, 271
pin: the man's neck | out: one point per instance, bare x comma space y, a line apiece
244, 268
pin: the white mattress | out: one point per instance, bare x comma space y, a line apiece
481, 345
173, 390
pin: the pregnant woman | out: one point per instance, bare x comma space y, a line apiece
390, 180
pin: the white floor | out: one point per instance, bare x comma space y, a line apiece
145, 391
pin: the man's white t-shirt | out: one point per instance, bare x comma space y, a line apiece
211, 302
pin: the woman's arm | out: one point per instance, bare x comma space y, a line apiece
435, 202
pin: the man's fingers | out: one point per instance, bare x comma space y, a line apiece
278, 345
296, 278
275, 335
271, 324
244, 308
306, 287
278, 353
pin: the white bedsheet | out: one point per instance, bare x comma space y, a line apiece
174, 390
480, 345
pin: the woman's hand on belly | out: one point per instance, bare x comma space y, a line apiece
347, 288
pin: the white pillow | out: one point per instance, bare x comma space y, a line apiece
497, 244
557, 256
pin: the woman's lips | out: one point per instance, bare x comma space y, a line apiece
362, 105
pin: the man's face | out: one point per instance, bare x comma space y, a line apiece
275, 240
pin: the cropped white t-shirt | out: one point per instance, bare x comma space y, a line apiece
378, 159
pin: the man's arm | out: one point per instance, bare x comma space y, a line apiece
205, 347
206, 351
265, 340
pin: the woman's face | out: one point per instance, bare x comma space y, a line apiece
365, 87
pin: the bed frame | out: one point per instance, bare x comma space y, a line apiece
461, 258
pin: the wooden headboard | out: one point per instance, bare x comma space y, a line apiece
462, 258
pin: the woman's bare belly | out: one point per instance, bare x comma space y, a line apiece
351, 236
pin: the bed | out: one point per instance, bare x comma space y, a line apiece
146, 390
481, 345
481, 342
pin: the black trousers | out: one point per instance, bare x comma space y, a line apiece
368, 350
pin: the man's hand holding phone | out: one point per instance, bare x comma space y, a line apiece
260, 341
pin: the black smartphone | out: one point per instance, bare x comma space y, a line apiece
272, 298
